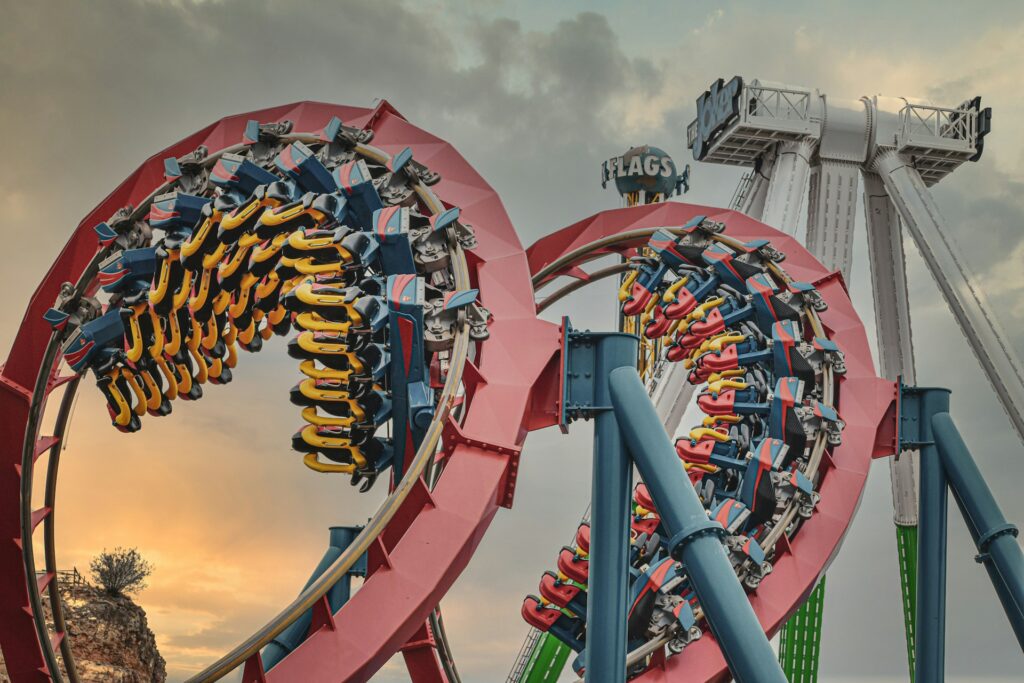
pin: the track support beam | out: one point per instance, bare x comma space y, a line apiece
753, 204
946, 464
589, 362
695, 539
918, 407
832, 205
341, 537
599, 380
994, 537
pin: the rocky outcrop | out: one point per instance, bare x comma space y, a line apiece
110, 638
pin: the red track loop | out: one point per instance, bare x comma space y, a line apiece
511, 389
863, 400
432, 536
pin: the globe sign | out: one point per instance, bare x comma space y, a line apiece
641, 168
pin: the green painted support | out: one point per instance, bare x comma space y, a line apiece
547, 661
800, 639
906, 540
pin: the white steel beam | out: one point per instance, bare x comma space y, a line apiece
892, 326
984, 334
787, 186
671, 396
831, 213
753, 205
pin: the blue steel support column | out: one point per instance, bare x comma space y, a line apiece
609, 521
994, 537
338, 595
930, 633
695, 539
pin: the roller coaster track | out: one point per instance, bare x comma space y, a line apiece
589, 240
581, 255
494, 393
542, 656
494, 456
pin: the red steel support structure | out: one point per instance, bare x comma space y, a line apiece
864, 400
511, 388
433, 535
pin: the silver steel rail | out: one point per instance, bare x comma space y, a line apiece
28, 522
571, 287
60, 432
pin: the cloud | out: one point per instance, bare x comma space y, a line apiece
213, 495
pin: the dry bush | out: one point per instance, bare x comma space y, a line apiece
120, 572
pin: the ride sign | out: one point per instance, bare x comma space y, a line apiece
716, 108
636, 166
644, 169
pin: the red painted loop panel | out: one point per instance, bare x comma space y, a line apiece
431, 538
510, 389
863, 399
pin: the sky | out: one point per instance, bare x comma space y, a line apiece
535, 95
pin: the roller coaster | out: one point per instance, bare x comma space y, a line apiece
413, 312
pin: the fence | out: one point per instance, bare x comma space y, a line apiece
67, 578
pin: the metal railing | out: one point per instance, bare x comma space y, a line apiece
766, 103
67, 578
70, 577
921, 120
776, 103
739, 195
524, 656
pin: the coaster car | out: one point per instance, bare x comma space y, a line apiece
743, 548
706, 446
771, 302
638, 289
732, 397
238, 177
324, 306
246, 217
299, 163
353, 352
97, 345
342, 444
176, 213
682, 299
573, 565
356, 180
657, 607
551, 619
372, 408
736, 266
583, 538
566, 594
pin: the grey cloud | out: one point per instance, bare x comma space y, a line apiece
96, 88
90, 90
